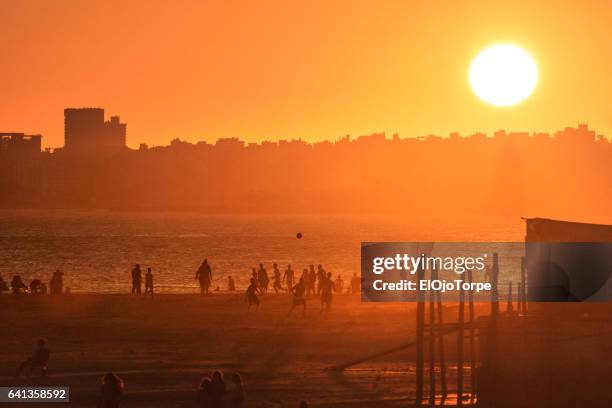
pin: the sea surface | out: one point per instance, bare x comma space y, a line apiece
97, 250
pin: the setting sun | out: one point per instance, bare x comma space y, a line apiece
503, 75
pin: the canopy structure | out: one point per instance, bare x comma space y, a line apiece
547, 230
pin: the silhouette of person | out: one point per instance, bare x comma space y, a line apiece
35, 287
231, 285
136, 280
327, 289
57, 283
204, 276
217, 390
338, 284
38, 360
251, 295
299, 297
320, 278
17, 285
312, 279
111, 391
288, 277
149, 282
277, 279
263, 279
204, 397
355, 284
3, 285
237, 393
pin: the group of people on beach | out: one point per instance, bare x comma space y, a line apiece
36, 286
137, 281
312, 282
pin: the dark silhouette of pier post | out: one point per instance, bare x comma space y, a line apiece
431, 346
523, 294
472, 341
460, 329
510, 307
443, 389
420, 328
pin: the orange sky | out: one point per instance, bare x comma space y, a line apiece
268, 70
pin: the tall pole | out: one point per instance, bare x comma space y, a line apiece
523, 299
420, 326
432, 344
460, 327
472, 341
443, 388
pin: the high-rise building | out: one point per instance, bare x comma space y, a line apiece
20, 146
85, 131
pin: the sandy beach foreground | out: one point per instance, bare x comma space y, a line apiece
162, 347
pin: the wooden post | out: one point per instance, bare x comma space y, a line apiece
460, 327
432, 344
492, 338
443, 389
510, 307
420, 327
472, 342
523, 299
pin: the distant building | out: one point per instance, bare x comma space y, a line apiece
19, 145
85, 131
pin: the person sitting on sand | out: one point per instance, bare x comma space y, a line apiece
251, 295
217, 390
35, 287
111, 391
57, 283
17, 285
204, 397
38, 360
136, 280
299, 297
204, 276
237, 393
277, 280
327, 289
3, 285
288, 277
149, 282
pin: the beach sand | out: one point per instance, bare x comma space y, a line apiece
162, 347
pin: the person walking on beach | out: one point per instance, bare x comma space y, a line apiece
327, 289
231, 285
299, 297
251, 295
204, 276
320, 278
149, 282
136, 280
338, 284
355, 284
312, 280
277, 279
263, 279
17, 285
217, 390
38, 360
111, 391
56, 284
236, 399
288, 277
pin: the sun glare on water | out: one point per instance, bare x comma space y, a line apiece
503, 75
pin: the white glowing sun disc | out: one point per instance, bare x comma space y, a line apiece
503, 75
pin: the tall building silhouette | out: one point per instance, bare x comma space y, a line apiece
85, 131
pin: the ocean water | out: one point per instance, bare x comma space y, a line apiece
96, 250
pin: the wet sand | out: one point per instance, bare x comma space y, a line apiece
162, 347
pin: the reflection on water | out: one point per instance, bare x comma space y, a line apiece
96, 250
